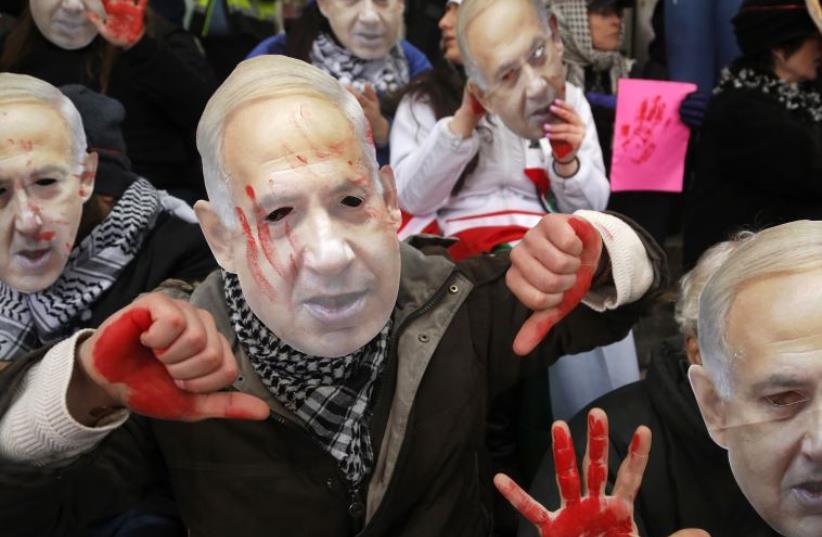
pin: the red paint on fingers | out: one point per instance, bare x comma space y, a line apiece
561, 148
125, 20
121, 358
597, 456
565, 461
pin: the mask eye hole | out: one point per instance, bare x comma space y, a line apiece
352, 201
278, 214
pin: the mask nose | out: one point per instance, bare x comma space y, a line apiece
368, 14
812, 445
73, 6
535, 84
327, 251
27, 220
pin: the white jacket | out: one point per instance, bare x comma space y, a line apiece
428, 159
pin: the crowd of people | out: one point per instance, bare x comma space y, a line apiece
354, 267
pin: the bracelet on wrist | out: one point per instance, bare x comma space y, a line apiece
554, 167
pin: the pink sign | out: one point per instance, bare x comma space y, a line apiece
650, 141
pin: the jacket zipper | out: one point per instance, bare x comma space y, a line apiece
422, 310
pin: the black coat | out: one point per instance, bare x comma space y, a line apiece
688, 482
759, 165
164, 83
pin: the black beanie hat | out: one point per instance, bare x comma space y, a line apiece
102, 117
762, 25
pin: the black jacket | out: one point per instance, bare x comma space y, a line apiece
449, 355
688, 481
163, 82
758, 165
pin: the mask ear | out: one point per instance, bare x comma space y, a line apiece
88, 176
390, 198
711, 404
480, 95
323, 6
217, 235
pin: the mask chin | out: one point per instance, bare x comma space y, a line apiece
77, 41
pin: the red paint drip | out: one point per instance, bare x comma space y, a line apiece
252, 257
122, 359
264, 233
591, 246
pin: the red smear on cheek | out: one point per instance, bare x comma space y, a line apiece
252, 257
591, 246
264, 233
122, 359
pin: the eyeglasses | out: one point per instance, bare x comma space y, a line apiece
542, 60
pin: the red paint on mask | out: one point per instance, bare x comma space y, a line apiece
45, 235
292, 257
591, 246
122, 359
252, 256
302, 159
26, 145
125, 20
264, 233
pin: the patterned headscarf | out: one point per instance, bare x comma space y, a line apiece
575, 31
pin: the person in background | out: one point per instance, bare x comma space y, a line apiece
760, 156
229, 29
121, 49
359, 43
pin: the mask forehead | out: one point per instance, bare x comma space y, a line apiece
32, 135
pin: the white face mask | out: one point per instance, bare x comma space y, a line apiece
42, 192
316, 249
64, 22
367, 28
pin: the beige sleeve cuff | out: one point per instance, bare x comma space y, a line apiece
38, 428
632, 270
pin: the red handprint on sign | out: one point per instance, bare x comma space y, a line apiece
639, 139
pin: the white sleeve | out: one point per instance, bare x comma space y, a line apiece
589, 187
38, 429
427, 157
632, 270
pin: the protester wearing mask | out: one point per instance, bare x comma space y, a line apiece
121, 49
358, 43
83, 235
760, 156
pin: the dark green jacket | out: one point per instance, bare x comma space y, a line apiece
450, 353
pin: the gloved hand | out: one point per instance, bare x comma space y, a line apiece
692, 109
601, 99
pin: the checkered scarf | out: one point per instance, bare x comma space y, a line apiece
575, 31
331, 396
387, 74
30, 320
793, 97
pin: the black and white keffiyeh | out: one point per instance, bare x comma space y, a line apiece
30, 320
332, 396
387, 74
579, 53
792, 96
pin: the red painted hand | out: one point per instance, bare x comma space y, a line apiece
567, 133
124, 24
595, 514
165, 359
551, 272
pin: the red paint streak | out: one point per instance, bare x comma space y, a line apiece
252, 257
369, 134
125, 20
45, 235
635, 445
264, 233
122, 359
565, 461
302, 159
292, 257
476, 107
591, 247
597, 454
561, 148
